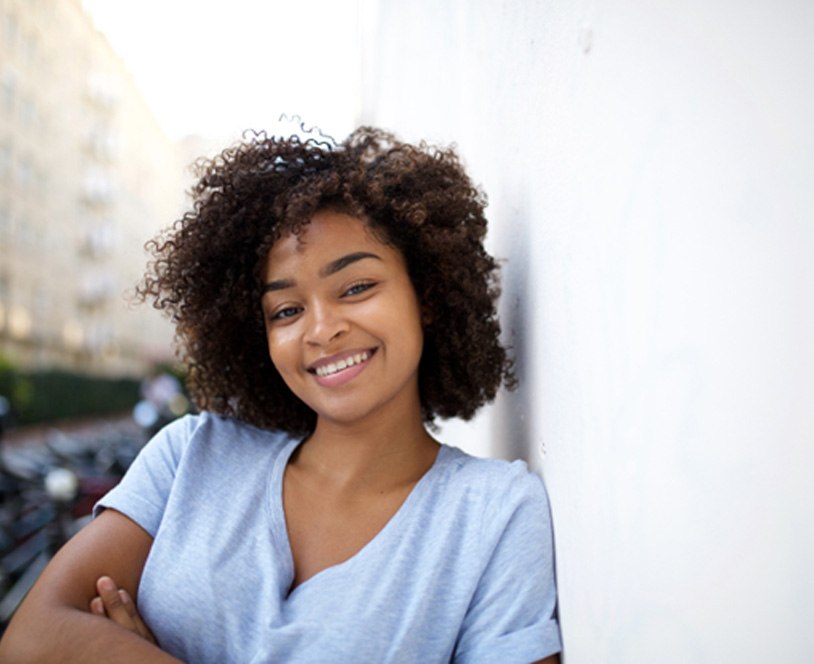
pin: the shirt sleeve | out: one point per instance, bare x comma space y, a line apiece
144, 490
512, 617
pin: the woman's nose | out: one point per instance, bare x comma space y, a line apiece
324, 323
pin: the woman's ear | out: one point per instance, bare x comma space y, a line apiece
426, 315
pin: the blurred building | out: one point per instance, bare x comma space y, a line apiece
86, 177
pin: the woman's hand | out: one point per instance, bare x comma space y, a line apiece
115, 603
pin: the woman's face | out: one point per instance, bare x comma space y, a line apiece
343, 321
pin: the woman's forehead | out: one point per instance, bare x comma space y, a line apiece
325, 237
324, 227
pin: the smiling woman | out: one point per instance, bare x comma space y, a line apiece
331, 301
349, 296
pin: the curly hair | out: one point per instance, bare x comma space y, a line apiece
205, 272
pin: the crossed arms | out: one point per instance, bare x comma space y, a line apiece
58, 623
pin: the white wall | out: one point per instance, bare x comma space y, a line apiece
650, 167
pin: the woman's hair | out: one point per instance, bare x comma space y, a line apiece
206, 272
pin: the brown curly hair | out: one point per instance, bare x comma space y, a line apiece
206, 269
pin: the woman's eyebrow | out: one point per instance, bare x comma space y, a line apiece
279, 284
331, 268
340, 263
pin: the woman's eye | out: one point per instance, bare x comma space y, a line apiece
288, 312
359, 288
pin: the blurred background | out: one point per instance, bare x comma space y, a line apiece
650, 170
104, 105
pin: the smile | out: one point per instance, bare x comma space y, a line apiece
333, 368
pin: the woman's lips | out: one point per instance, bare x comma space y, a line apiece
341, 368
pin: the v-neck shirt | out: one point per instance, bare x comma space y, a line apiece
279, 526
463, 571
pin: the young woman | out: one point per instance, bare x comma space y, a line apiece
331, 301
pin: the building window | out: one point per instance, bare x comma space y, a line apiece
100, 239
5, 160
103, 89
98, 187
29, 49
10, 30
102, 142
28, 112
25, 174
5, 224
26, 235
8, 90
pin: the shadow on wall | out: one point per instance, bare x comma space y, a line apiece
512, 247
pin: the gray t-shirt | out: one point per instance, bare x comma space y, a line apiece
463, 571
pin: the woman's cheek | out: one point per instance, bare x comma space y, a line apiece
282, 347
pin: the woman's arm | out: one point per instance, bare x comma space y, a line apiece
54, 622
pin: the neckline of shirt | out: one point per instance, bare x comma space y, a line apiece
280, 529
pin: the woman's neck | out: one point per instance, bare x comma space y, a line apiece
369, 456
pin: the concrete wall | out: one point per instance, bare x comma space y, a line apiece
650, 167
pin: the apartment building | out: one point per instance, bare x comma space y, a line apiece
86, 177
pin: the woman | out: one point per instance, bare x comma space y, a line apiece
330, 302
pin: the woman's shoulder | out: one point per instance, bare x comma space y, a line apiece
498, 482
209, 424
497, 471
209, 435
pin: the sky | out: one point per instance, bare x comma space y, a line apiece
215, 69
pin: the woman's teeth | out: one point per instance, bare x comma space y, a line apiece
332, 368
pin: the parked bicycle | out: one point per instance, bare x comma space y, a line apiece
47, 493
